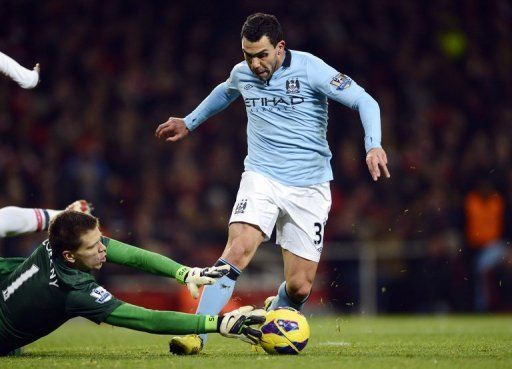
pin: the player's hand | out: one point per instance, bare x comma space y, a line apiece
81, 206
377, 159
238, 324
197, 277
172, 130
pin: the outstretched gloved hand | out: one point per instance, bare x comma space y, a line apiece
197, 277
240, 324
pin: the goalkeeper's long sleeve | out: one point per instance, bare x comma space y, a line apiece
161, 322
147, 261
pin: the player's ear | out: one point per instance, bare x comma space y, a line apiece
68, 256
280, 47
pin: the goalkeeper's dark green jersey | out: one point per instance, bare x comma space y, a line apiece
41, 292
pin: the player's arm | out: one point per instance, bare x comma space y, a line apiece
15, 220
343, 89
369, 113
26, 78
219, 99
233, 324
153, 263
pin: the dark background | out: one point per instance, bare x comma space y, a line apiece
113, 70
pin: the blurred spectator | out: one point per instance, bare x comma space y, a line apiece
485, 217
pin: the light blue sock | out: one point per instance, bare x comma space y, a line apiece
283, 300
216, 296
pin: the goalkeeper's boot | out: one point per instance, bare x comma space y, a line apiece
268, 302
190, 344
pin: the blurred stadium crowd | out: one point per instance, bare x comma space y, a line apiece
113, 70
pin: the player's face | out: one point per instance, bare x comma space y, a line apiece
92, 252
263, 58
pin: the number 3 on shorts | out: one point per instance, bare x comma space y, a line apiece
318, 233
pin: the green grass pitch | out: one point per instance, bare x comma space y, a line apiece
336, 342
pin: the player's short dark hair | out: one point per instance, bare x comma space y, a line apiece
66, 230
258, 25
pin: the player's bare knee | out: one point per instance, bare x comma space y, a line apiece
235, 255
238, 254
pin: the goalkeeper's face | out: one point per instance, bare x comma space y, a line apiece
91, 254
262, 57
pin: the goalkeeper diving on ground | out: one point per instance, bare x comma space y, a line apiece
54, 284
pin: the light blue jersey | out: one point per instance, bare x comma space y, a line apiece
287, 116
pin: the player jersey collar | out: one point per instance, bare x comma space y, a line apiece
70, 277
286, 63
287, 58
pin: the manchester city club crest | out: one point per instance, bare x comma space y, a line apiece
292, 86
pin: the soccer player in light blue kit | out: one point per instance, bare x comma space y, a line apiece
287, 169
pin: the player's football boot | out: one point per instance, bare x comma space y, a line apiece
268, 302
190, 344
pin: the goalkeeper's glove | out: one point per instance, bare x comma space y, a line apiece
196, 277
237, 324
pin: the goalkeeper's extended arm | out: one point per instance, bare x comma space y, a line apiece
235, 324
161, 322
151, 262
147, 261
